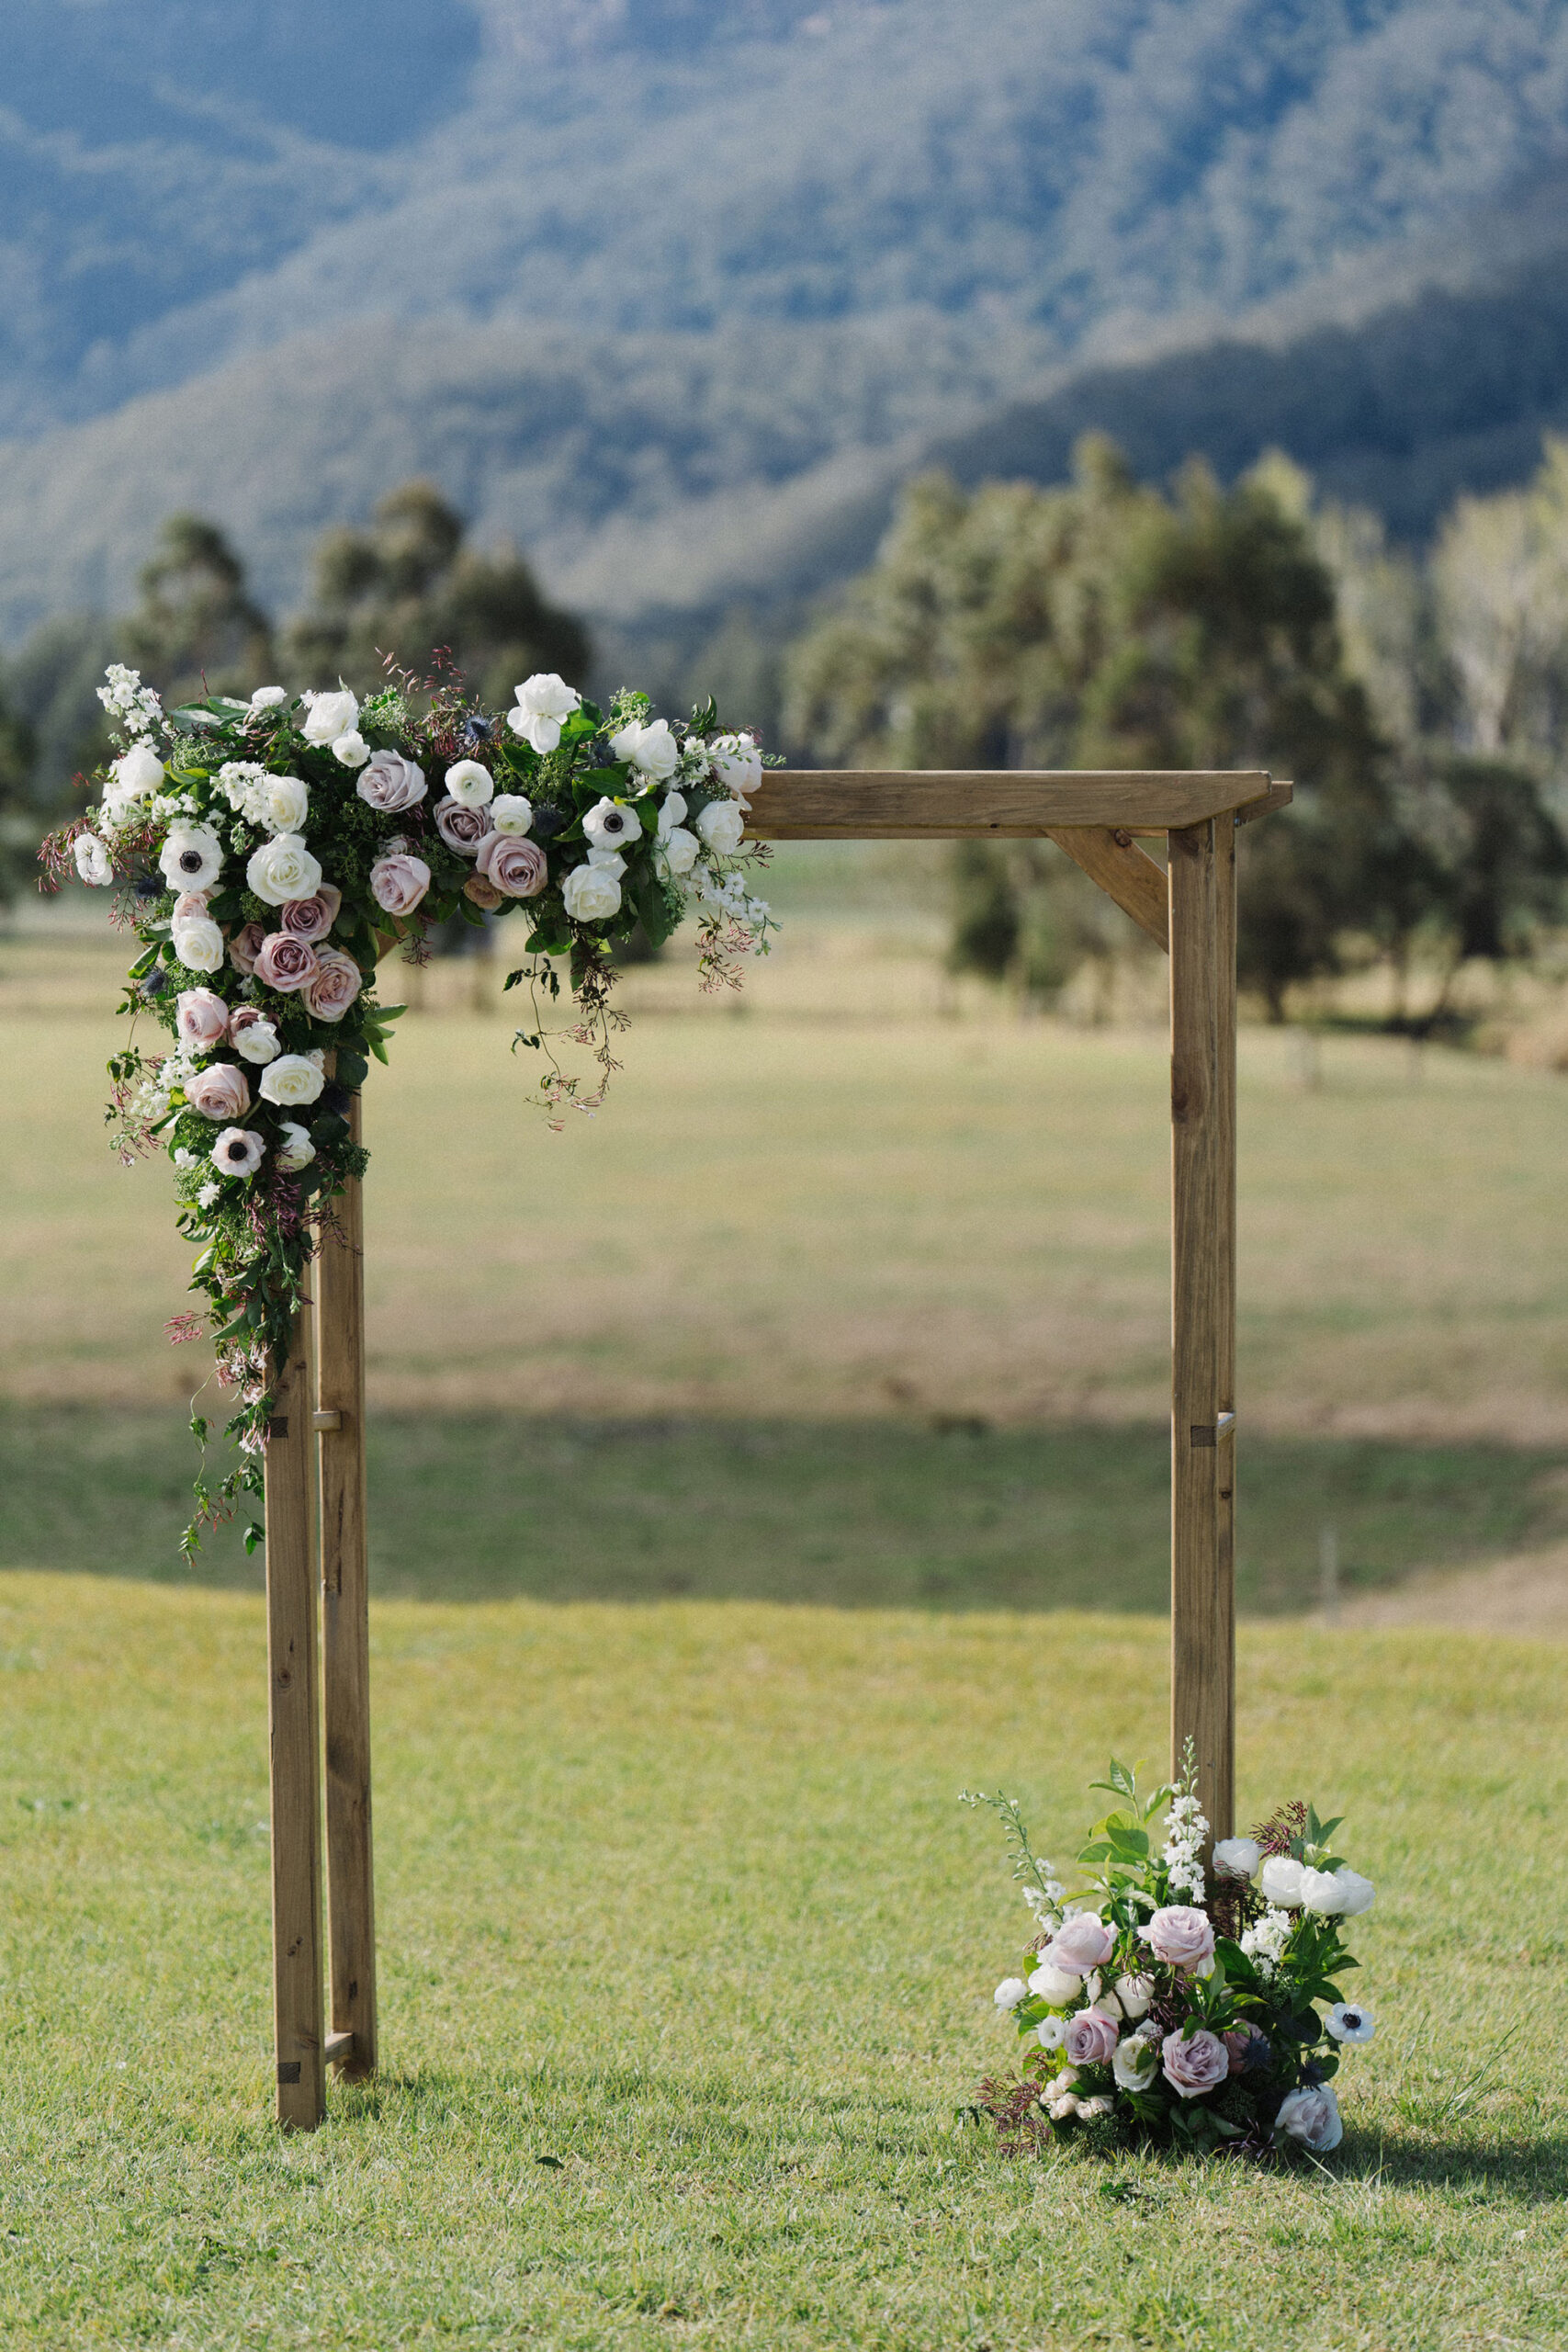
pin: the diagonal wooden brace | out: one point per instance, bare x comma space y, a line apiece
1123, 871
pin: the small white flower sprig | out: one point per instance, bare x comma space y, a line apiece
1190, 2023
269, 854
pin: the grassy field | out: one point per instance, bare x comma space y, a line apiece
687, 1955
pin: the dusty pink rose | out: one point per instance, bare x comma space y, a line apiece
517, 866
189, 905
1091, 2037
312, 918
203, 1017
337, 982
220, 1092
245, 946
1237, 2045
399, 882
389, 782
286, 963
1180, 1936
1080, 1944
1199, 2064
461, 828
482, 892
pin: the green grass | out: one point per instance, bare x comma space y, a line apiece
679, 1895
857, 1514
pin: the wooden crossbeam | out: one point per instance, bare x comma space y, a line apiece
1007, 804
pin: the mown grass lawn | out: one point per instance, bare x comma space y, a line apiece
678, 1897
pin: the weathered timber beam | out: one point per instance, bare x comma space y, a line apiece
1278, 795
1123, 871
1020, 803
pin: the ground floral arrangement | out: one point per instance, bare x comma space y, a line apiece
269, 854
1159, 2007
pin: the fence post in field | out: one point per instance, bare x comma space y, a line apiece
1203, 1423
345, 1637
294, 1730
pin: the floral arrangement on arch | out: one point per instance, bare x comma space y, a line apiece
269, 854
1159, 2006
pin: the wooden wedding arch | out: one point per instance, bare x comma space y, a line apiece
319, 1665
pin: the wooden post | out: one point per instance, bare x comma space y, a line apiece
1202, 1110
295, 1738
340, 1420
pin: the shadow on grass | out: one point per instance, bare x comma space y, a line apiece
854, 1514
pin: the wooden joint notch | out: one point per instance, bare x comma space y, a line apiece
1213, 1433
326, 1420
340, 2049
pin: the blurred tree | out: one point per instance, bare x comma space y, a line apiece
194, 630
409, 588
19, 827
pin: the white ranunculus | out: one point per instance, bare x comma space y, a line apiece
330, 716
722, 826
679, 849
296, 1150
611, 825
258, 1042
283, 869
1348, 2022
737, 764
94, 863
286, 801
292, 1078
510, 813
590, 894
1237, 1857
1050, 2032
470, 783
1009, 1992
1056, 1985
649, 746
135, 775
199, 943
268, 697
191, 857
1134, 2062
545, 702
1135, 1992
351, 750
1310, 2116
1284, 1882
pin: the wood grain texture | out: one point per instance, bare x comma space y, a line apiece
935, 804
1123, 871
294, 1743
1202, 1299
350, 1891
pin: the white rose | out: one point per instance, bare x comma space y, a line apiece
1283, 1880
1310, 2116
738, 764
94, 863
721, 825
191, 857
296, 1150
268, 697
470, 783
1134, 2062
1056, 1985
1009, 1992
649, 747
351, 750
590, 894
136, 774
611, 825
283, 869
328, 716
1135, 1992
1357, 1893
1060, 2085
292, 1078
199, 943
510, 813
1237, 1857
257, 1043
286, 801
679, 849
545, 702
